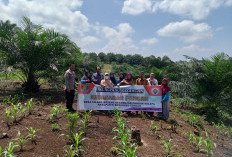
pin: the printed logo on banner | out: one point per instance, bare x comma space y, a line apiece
84, 88
155, 91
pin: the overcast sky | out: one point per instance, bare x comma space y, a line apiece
198, 28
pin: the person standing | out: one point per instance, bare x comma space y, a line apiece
165, 100
70, 86
97, 77
141, 80
152, 81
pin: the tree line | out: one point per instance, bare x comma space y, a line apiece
39, 53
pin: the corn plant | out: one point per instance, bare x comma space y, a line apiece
198, 142
55, 127
54, 112
29, 106
20, 141
8, 114
70, 152
168, 146
32, 134
9, 150
72, 121
191, 137
15, 111
0, 150
84, 122
77, 141
209, 145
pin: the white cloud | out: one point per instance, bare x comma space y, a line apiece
119, 40
187, 31
195, 9
135, 7
63, 15
88, 40
149, 41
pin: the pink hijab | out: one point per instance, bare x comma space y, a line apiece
165, 87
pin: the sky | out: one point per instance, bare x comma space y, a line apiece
197, 28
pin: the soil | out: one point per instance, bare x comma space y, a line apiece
99, 135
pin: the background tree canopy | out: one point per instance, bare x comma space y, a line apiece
38, 53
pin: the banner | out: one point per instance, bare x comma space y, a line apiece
125, 98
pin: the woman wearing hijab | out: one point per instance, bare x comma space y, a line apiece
86, 78
113, 80
165, 100
106, 82
127, 81
121, 77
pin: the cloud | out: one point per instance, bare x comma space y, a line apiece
195, 9
118, 39
88, 40
135, 7
63, 15
187, 31
149, 41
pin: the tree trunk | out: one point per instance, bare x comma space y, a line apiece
31, 85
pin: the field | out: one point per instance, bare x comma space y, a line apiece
98, 130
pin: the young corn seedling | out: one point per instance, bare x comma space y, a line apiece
0, 150
54, 112
191, 137
209, 145
8, 114
154, 127
168, 146
20, 141
77, 141
198, 142
29, 106
55, 127
9, 150
32, 135
70, 152
15, 111
72, 121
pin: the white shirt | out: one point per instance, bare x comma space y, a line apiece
152, 84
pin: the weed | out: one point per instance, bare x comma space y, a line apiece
55, 127
20, 141
32, 134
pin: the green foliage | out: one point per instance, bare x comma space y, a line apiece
9, 150
71, 152
36, 52
72, 121
194, 120
20, 141
168, 146
221, 128
29, 106
15, 110
8, 115
124, 146
154, 127
32, 135
84, 122
77, 141
54, 112
209, 145
55, 127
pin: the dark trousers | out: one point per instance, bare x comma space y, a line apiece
69, 98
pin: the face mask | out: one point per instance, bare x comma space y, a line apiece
107, 77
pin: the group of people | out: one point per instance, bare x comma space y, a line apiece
109, 80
